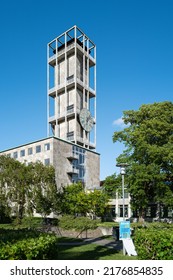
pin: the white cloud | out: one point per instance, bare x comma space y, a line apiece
119, 122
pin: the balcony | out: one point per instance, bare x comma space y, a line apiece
72, 156
52, 119
73, 170
92, 92
61, 115
52, 92
92, 145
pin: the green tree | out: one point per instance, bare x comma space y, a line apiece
25, 188
44, 196
111, 185
14, 185
70, 199
148, 139
75, 201
97, 203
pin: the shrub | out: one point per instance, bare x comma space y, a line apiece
77, 223
41, 247
154, 244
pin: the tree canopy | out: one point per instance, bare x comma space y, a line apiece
75, 201
26, 188
148, 139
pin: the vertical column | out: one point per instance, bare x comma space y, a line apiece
75, 81
95, 96
56, 88
65, 82
48, 126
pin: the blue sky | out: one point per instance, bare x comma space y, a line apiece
134, 40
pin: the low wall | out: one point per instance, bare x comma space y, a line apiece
98, 232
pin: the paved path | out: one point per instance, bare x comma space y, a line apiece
99, 241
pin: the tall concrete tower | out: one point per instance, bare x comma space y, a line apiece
71, 86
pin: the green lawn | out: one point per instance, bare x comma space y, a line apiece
90, 252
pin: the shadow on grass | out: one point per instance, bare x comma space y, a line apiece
90, 250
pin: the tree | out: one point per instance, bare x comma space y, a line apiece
97, 203
25, 188
70, 199
75, 201
148, 139
111, 185
14, 185
44, 196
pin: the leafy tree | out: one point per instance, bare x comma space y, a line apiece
70, 199
75, 201
148, 139
44, 196
97, 203
14, 185
25, 188
111, 185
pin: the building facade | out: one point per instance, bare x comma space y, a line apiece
70, 145
72, 163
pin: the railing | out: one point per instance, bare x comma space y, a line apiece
73, 170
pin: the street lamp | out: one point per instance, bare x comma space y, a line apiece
123, 172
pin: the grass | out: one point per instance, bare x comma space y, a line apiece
90, 252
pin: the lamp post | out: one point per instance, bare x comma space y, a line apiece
123, 172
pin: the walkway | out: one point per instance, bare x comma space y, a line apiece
117, 245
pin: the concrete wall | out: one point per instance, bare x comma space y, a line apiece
92, 176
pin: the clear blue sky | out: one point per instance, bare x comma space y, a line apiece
134, 40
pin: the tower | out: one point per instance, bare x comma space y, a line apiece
71, 86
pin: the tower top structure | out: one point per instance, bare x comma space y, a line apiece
71, 87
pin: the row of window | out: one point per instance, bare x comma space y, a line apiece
30, 151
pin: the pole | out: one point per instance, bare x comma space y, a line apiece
123, 196
124, 252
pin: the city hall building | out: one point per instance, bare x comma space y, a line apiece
70, 145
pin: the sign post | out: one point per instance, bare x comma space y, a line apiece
124, 230
125, 233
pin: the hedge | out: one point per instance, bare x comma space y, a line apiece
154, 243
42, 247
69, 222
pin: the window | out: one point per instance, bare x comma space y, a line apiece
120, 211
38, 149
22, 153
30, 151
47, 161
47, 146
15, 155
126, 195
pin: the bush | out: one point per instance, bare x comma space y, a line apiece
77, 223
41, 247
154, 244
